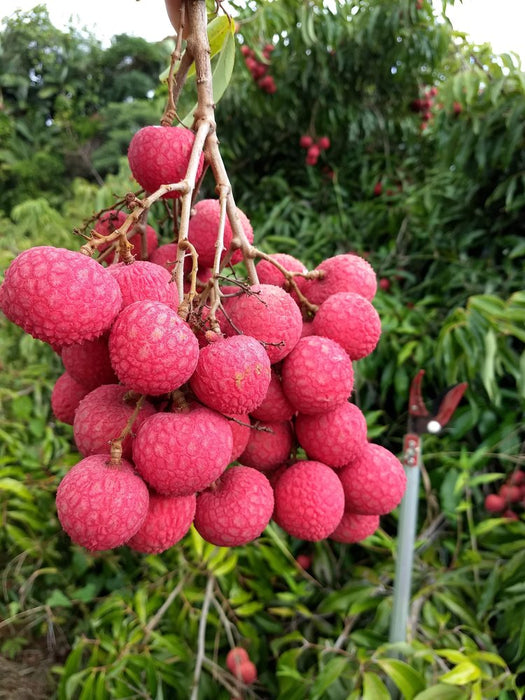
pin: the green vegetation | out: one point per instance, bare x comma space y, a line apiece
445, 230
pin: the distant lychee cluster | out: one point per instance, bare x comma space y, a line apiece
424, 104
224, 409
313, 147
510, 498
260, 69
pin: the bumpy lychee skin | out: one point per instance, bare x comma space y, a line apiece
236, 509
99, 506
275, 406
355, 527
351, 321
335, 437
168, 520
65, 397
181, 453
232, 374
269, 445
143, 280
374, 483
165, 256
241, 430
342, 273
102, 415
112, 220
269, 274
60, 296
309, 500
203, 229
159, 155
270, 315
152, 350
235, 658
317, 375
89, 362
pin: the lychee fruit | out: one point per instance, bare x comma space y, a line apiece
235, 657
510, 493
269, 274
59, 296
355, 527
112, 220
275, 406
236, 508
309, 500
240, 427
88, 362
347, 272
495, 503
306, 141
335, 437
204, 227
102, 415
165, 256
167, 521
246, 672
324, 143
65, 397
152, 350
183, 452
268, 314
232, 374
351, 321
374, 483
159, 155
304, 561
317, 375
269, 445
101, 506
143, 280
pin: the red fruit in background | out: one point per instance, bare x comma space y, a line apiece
100, 506
159, 155
355, 527
275, 406
152, 350
306, 141
433, 91
494, 503
323, 143
267, 83
269, 274
246, 51
268, 446
311, 159
167, 521
511, 494
165, 255
317, 375
517, 478
65, 397
235, 657
246, 672
59, 296
510, 515
309, 501
143, 280
112, 220
232, 374
384, 284
240, 427
236, 508
304, 560
457, 108
342, 273
89, 363
378, 188
180, 453
312, 154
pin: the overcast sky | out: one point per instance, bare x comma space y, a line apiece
499, 23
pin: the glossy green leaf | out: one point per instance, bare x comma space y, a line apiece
407, 679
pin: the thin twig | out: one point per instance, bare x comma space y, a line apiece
201, 639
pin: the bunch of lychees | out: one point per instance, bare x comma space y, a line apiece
191, 392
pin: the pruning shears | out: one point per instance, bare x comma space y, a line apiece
420, 421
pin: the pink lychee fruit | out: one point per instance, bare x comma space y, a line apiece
351, 321
308, 329
102, 415
232, 374
510, 493
246, 672
317, 375
59, 296
347, 272
304, 561
112, 220
183, 452
204, 227
275, 406
309, 500
152, 350
65, 397
235, 657
269, 274
241, 430
270, 315
88, 362
165, 256
236, 508
495, 503
143, 280
335, 437
306, 141
324, 143
101, 506
269, 445
159, 155
167, 521
355, 527
374, 483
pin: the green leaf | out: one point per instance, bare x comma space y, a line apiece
374, 688
442, 692
463, 673
329, 674
407, 679
58, 599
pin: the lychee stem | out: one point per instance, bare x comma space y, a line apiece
201, 638
115, 451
